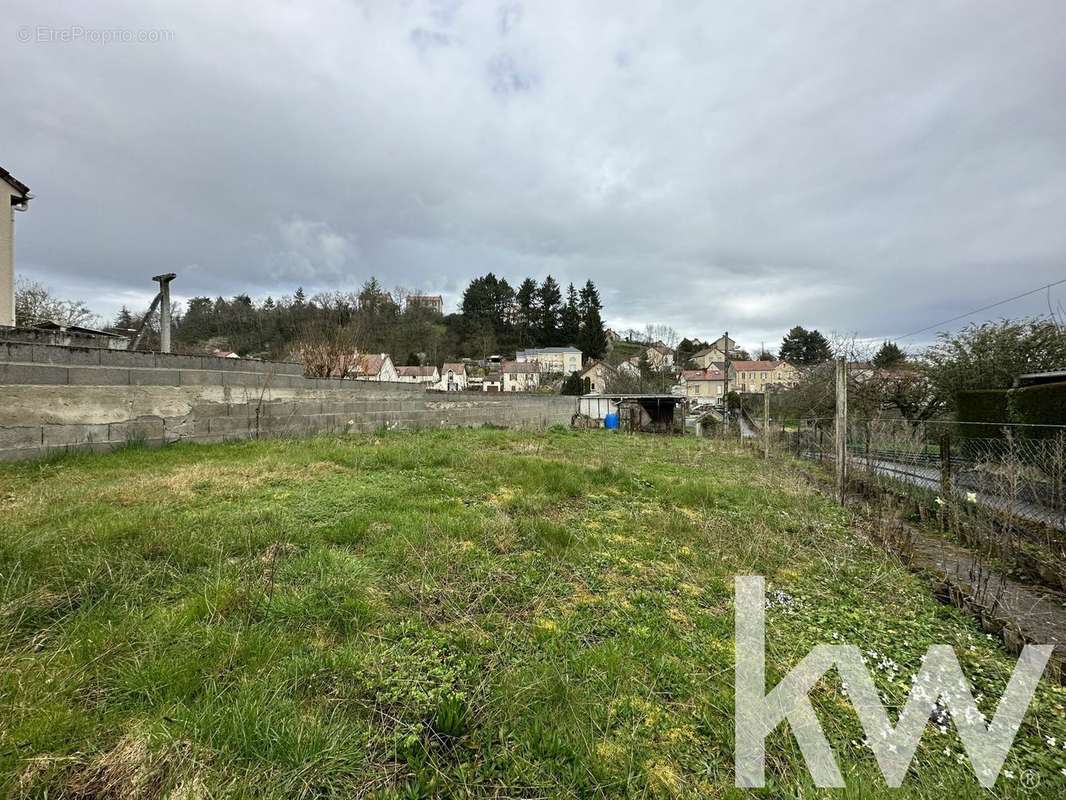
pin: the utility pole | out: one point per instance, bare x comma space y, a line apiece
164, 310
841, 428
725, 373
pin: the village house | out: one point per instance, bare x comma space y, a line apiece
562, 360
491, 382
713, 355
376, 367
703, 384
595, 376
520, 376
434, 302
660, 357
427, 375
14, 195
757, 376
452, 378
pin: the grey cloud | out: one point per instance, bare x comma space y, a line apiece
857, 166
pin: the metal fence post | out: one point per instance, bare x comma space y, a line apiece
946, 492
766, 424
841, 428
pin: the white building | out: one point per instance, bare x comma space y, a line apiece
375, 367
14, 194
427, 375
520, 376
564, 360
452, 378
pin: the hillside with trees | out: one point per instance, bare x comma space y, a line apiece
493, 318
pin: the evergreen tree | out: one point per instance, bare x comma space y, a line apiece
818, 349
526, 311
889, 356
549, 311
490, 300
593, 339
570, 319
124, 319
299, 299
805, 348
573, 385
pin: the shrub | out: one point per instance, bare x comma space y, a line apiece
1038, 405
981, 405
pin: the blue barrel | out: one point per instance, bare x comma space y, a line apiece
610, 422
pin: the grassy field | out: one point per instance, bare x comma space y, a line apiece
454, 613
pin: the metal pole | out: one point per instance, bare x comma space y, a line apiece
164, 310
946, 492
841, 428
766, 424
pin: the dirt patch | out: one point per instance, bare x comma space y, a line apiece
218, 479
1020, 614
130, 770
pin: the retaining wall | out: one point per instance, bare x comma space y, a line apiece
61, 398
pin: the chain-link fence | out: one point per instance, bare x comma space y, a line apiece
999, 488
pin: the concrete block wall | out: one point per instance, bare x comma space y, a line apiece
68, 398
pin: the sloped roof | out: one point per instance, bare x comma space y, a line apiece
702, 375
416, 372
595, 363
520, 367
756, 366
370, 364
14, 182
534, 351
454, 366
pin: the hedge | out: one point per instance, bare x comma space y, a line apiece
1038, 405
982, 405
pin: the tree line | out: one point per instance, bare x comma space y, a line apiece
493, 318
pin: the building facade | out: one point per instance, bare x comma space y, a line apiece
520, 376
434, 302
428, 375
595, 376
376, 367
757, 376
14, 195
714, 354
706, 385
452, 378
563, 360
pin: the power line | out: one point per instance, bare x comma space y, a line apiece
982, 308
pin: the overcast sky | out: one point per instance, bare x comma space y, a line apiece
860, 167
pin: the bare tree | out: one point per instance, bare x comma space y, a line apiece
35, 303
330, 351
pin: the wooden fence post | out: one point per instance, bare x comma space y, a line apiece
841, 428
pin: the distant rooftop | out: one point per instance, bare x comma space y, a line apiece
535, 350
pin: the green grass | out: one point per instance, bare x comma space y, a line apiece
455, 613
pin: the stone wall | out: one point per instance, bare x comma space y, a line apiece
61, 398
